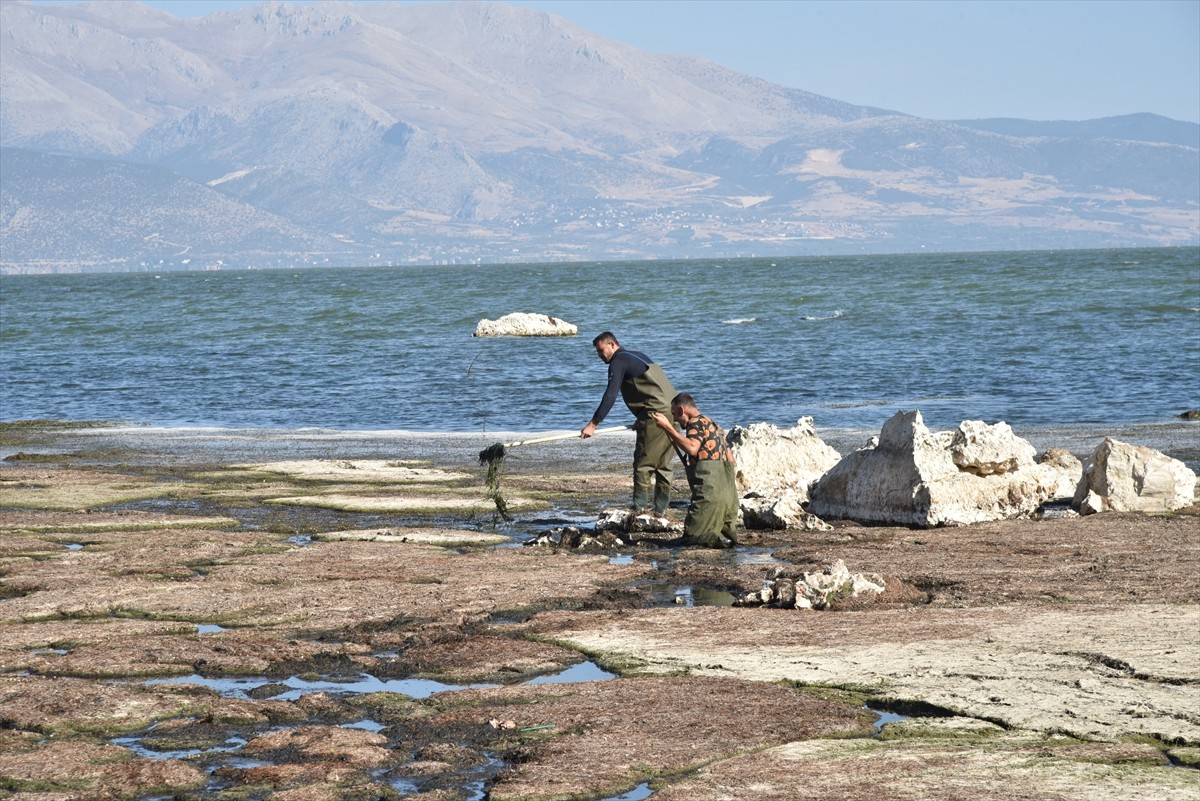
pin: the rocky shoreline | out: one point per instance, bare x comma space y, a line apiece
210, 615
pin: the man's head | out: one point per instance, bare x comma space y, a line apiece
606, 345
683, 408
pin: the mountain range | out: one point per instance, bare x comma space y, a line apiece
351, 134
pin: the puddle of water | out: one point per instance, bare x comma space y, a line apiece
621, 559
299, 539
883, 718
244, 763
564, 519
402, 786
44, 651
755, 556
134, 744
639, 793
74, 546
582, 672
366, 724
474, 789
704, 596
689, 596
206, 628
363, 683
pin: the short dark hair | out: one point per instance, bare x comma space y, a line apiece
605, 336
683, 400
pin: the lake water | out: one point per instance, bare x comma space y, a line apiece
1038, 339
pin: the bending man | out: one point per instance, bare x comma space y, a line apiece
645, 388
712, 516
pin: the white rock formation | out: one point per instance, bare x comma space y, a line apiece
987, 450
771, 460
911, 478
836, 581
1132, 478
783, 511
524, 324
775, 468
814, 590
1070, 470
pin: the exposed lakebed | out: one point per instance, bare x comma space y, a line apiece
158, 640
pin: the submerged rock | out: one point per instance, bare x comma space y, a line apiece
1131, 478
524, 324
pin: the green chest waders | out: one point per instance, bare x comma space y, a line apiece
650, 392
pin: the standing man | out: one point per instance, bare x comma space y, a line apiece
712, 516
645, 389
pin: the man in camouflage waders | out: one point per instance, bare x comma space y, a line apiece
645, 388
712, 517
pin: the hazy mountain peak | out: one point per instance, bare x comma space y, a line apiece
129, 15
323, 19
484, 128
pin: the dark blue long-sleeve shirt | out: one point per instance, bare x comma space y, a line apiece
625, 365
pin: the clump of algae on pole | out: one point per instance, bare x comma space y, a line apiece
493, 457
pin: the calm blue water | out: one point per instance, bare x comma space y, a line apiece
1032, 338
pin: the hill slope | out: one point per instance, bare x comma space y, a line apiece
365, 133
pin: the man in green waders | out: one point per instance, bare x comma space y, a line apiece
712, 517
645, 388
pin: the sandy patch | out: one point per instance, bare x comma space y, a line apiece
35, 521
445, 537
63, 490
373, 471
412, 504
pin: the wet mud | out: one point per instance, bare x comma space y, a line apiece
361, 627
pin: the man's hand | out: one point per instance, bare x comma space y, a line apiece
588, 430
661, 421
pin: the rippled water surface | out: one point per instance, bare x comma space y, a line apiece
1033, 338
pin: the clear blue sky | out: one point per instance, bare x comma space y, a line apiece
941, 59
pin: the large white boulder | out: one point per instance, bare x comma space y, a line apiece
773, 461
524, 324
1132, 478
910, 477
775, 468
